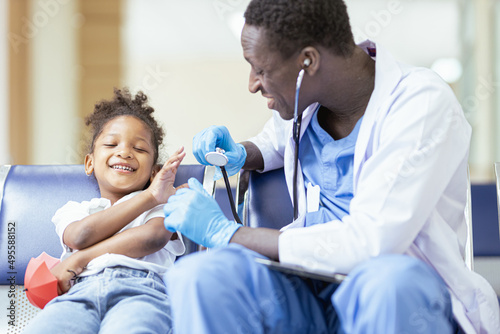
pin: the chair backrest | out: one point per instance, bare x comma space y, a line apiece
29, 197
497, 174
485, 220
267, 202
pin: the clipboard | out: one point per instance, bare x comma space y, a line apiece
301, 271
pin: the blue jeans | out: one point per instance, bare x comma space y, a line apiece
226, 291
117, 300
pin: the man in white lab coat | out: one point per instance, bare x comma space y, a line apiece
381, 194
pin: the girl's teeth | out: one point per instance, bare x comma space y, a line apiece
123, 168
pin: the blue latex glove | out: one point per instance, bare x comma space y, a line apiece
218, 136
194, 213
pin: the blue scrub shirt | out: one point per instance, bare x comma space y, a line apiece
328, 163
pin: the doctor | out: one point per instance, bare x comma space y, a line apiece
386, 145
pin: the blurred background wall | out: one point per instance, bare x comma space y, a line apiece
4, 106
59, 57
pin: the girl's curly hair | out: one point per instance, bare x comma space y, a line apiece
123, 104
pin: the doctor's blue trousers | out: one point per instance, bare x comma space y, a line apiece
226, 291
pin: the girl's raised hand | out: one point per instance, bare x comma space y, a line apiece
162, 186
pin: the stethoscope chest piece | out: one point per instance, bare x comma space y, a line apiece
216, 158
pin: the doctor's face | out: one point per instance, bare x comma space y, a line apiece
270, 74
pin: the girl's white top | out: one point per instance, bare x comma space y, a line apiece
158, 262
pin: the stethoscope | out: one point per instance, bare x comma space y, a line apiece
218, 158
297, 120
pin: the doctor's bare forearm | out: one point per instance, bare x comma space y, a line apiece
254, 160
261, 240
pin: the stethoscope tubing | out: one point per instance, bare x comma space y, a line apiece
297, 120
230, 195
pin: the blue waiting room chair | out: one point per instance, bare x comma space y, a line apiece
29, 197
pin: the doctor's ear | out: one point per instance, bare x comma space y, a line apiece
309, 58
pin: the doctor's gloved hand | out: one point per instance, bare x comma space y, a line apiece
218, 136
194, 213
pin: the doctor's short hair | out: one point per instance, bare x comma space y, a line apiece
124, 104
292, 25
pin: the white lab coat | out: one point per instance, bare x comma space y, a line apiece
410, 167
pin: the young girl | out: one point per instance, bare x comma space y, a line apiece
116, 248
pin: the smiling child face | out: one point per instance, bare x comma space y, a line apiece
123, 157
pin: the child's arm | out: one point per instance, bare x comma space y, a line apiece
135, 242
102, 225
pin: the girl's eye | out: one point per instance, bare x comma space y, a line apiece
109, 145
140, 149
